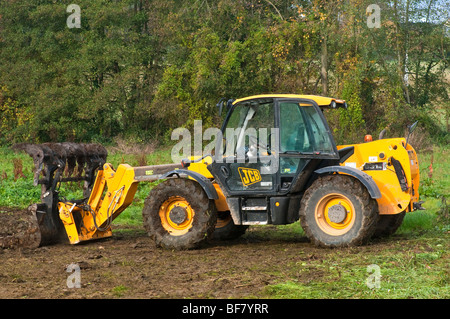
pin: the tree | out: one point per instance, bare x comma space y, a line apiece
138, 69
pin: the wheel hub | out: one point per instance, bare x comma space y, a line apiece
178, 215
337, 213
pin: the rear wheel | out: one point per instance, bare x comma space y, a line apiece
338, 211
226, 229
388, 224
178, 214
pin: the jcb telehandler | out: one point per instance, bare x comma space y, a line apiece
277, 164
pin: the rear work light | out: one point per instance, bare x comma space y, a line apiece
376, 166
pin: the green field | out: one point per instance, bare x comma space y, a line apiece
414, 263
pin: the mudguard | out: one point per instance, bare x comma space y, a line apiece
205, 183
364, 178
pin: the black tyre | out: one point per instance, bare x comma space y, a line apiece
337, 211
226, 229
177, 214
388, 224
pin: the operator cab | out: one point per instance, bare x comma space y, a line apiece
268, 141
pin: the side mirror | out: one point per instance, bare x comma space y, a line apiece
410, 130
412, 127
219, 105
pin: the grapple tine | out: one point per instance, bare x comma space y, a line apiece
59, 154
39, 155
81, 159
71, 155
95, 156
96, 152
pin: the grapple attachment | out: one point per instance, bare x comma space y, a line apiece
56, 163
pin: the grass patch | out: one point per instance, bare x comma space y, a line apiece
119, 291
413, 269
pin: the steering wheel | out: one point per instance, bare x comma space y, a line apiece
254, 141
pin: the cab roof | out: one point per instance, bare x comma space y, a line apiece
321, 101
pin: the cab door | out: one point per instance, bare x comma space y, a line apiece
247, 163
305, 139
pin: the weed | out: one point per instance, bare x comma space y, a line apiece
18, 169
119, 291
443, 212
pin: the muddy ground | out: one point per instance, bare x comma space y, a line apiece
128, 265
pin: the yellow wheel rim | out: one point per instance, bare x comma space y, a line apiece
176, 215
335, 214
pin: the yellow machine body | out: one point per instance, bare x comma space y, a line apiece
112, 192
199, 165
394, 200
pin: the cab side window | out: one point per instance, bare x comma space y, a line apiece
302, 129
293, 135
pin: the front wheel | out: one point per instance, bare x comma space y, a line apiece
337, 211
178, 214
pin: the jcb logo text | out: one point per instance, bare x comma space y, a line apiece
249, 175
